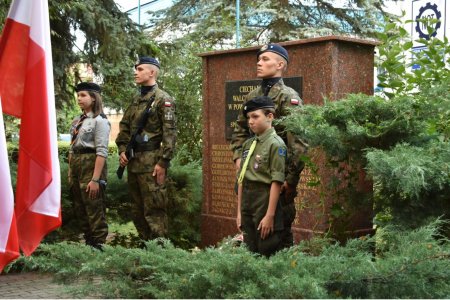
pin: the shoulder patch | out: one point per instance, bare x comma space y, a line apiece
167, 103
295, 101
282, 151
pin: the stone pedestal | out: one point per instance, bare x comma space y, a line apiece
329, 67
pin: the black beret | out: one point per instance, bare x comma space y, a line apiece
275, 48
257, 103
147, 60
88, 86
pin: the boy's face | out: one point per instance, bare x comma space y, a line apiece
258, 122
269, 65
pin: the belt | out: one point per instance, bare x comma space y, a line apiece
84, 151
149, 146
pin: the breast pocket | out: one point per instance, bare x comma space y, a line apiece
153, 123
264, 162
87, 134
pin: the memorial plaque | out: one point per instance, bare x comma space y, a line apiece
235, 92
329, 67
223, 198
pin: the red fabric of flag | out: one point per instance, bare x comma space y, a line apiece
26, 90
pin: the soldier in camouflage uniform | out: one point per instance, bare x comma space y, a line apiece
155, 148
87, 164
272, 60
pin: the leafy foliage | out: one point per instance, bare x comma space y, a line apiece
185, 197
400, 136
429, 67
347, 127
263, 21
111, 43
182, 76
408, 264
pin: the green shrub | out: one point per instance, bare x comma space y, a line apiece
407, 264
400, 137
185, 193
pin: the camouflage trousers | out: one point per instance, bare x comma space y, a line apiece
149, 207
91, 213
289, 213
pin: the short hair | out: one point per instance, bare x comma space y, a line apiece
270, 110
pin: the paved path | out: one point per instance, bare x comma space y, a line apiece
30, 286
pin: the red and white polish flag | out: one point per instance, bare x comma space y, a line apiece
27, 92
9, 244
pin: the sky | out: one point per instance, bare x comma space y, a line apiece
126, 5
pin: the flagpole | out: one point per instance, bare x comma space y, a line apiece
237, 24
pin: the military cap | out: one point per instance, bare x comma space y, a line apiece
88, 86
257, 103
275, 48
147, 60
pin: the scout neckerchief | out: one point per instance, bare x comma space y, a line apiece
247, 159
77, 128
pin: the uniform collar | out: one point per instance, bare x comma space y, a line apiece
268, 83
275, 88
146, 89
140, 98
263, 137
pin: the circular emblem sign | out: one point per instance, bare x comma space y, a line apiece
429, 11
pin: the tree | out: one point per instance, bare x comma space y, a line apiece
190, 27
400, 137
267, 20
112, 44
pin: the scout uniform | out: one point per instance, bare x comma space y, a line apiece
156, 145
266, 163
283, 97
90, 136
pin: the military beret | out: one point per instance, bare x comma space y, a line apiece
147, 60
275, 48
257, 103
88, 86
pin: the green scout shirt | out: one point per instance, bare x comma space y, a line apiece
160, 128
267, 163
283, 97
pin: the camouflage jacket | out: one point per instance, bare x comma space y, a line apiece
283, 97
159, 129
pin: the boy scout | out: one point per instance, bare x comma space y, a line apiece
154, 150
261, 176
272, 61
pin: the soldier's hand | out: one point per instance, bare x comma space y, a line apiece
160, 174
123, 160
290, 192
237, 164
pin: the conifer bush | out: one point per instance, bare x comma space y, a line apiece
399, 136
406, 264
